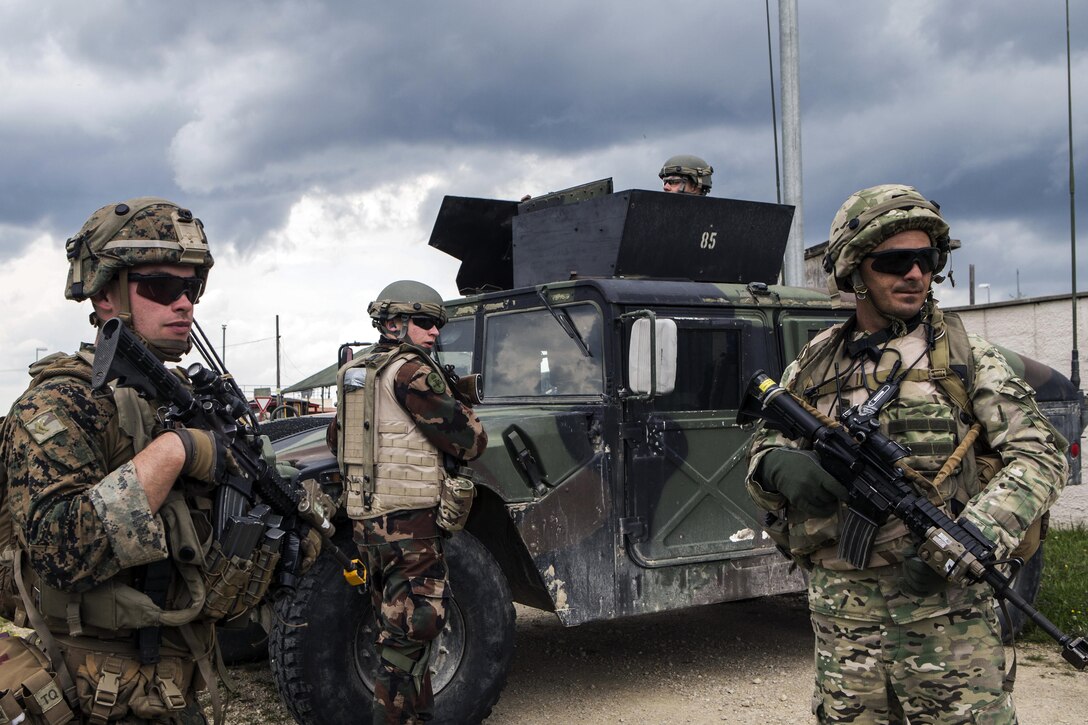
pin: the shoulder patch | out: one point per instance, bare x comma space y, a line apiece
436, 383
44, 426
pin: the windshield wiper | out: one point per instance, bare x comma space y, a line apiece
565, 322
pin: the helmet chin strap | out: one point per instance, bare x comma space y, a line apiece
124, 302
399, 334
898, 324
860, 288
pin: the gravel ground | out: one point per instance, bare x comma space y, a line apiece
1072, 507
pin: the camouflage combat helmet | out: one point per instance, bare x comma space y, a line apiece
870, 216
693, 167
406, 297
139, 231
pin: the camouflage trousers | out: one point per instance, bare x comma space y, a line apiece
943, 669
408, 578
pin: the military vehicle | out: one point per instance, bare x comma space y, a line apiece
615, 333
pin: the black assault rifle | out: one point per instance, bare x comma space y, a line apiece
243, 497
867, 462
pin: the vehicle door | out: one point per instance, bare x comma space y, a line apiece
686, 456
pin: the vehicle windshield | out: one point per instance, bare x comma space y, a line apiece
529, 353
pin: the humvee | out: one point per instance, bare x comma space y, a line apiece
615, 333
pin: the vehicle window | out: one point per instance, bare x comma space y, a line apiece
529, 353
455, 344
798, 330
708, 370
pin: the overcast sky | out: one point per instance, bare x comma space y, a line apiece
317, 139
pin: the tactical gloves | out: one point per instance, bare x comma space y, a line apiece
206, 456
920, 579
797, 475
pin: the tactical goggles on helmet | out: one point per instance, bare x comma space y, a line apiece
164, 288
900, 261
426, 322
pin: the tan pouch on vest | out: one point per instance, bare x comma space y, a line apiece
27, 685
113, 685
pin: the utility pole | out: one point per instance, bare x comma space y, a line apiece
279, 392
971, 283
793, 267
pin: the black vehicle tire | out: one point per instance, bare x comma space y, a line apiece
322, 650
1026, 584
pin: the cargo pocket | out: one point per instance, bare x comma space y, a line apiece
428, 616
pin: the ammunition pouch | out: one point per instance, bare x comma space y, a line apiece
29, 691
115, 685
455, 500
234, 584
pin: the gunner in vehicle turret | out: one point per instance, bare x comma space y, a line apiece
686, 174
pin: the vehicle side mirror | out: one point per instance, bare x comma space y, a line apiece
651, 367
346, 354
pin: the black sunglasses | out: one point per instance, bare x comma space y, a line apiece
424, 322
164, 288
901, 261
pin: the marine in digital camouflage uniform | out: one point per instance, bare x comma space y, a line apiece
93, 486
396, 520
895, 639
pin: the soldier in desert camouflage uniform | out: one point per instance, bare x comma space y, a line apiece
896, 639
397, 420
108, 511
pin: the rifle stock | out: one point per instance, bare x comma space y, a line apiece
869, 464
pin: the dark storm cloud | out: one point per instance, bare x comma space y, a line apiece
239, 109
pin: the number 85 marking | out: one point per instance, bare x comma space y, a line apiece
709, 240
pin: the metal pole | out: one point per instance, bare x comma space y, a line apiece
971, 283
279, 392
1074, 362
223, 349
793, 267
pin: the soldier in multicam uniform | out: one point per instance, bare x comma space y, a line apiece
397, 420
106, 512
686, 174
896, 639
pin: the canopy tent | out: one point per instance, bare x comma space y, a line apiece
322, 379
